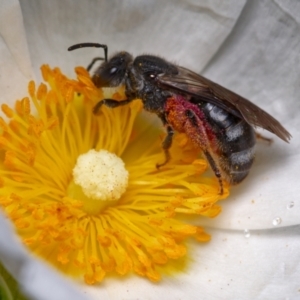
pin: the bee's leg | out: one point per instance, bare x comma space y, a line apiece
166, 145
205, 148
110, 103
89, 67
215, 169
263, 138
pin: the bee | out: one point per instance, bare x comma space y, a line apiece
215, 119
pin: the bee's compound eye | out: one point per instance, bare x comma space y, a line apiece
113, 70
152, 76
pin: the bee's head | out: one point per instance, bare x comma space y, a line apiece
112, 72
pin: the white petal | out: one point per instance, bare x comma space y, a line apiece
260, 61
264, 266
187, 32
14, 56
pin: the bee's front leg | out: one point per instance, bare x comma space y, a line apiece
110, 103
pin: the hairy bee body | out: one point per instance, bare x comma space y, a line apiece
237, 140
215, 119
227, 141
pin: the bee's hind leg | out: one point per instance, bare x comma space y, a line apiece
263, 138
215, 170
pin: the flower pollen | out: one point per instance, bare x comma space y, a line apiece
64, 185
101, 175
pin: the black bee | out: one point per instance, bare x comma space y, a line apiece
216, 120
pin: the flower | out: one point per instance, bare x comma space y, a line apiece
81, 198
35, 278
253, 61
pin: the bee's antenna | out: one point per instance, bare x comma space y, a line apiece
82, 45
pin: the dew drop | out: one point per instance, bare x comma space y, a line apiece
276, 221
291, 205
247, 233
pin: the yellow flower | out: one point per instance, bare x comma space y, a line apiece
83, 191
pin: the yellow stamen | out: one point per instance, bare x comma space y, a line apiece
136, 229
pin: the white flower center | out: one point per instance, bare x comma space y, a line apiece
101, 175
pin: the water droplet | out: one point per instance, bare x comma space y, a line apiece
247, 233
291, 205
276, 221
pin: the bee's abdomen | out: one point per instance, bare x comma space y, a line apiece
236, 142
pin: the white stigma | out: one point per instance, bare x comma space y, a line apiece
101, 175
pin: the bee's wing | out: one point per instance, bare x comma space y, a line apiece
194, 84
